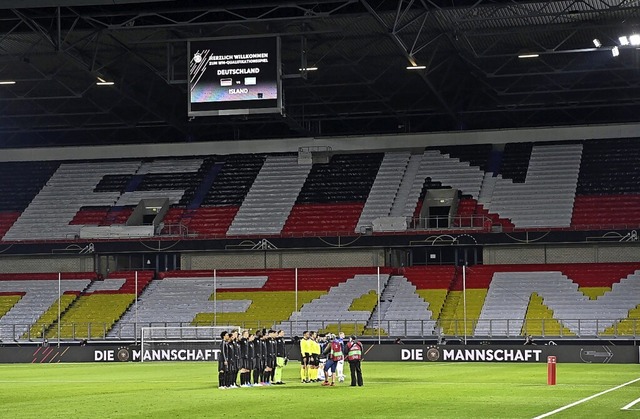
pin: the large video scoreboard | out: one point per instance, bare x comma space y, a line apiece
234, 76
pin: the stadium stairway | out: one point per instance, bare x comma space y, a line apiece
419, 165
407, 194
402, 311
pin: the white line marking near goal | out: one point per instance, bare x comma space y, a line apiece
586, 399
628, 407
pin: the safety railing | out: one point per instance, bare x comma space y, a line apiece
465, 222
458, 328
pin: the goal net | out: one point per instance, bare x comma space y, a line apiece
181, 343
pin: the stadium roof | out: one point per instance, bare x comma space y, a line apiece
55, 51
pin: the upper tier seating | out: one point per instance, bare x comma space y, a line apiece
473, 214
228, 183
269, 201
608, 192
475, 154
515, 161
453, 172
546, 197
20, 182
385, 188
332, 198
49, 214
586, 185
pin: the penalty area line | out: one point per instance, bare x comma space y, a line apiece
586, 399
628, 407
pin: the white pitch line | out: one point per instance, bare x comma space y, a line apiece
627, 407
586, 399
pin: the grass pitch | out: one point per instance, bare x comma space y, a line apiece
391, 390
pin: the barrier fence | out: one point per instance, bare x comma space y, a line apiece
444, 328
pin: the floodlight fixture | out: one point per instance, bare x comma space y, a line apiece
615, 51
103, 82
624, 41
597, 42
634, 39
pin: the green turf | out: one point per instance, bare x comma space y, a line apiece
392, 390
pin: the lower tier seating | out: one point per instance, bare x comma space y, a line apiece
554, 300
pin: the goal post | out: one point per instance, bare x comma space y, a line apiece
190, 343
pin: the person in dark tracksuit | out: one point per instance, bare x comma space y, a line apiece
245, 375
251, 359
258, 366
270, 360
223, 363
234, 358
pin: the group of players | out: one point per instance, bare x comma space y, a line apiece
255, 359
323, 358
312, 362
247, 359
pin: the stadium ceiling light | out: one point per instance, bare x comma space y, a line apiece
597, 42
416, 67
634, 39
7, 82
308, 69
103, 82
615, 51
528, 55
624, 41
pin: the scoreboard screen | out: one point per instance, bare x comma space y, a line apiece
234, 76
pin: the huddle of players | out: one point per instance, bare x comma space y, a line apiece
310, 350
256, 359
322, 356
